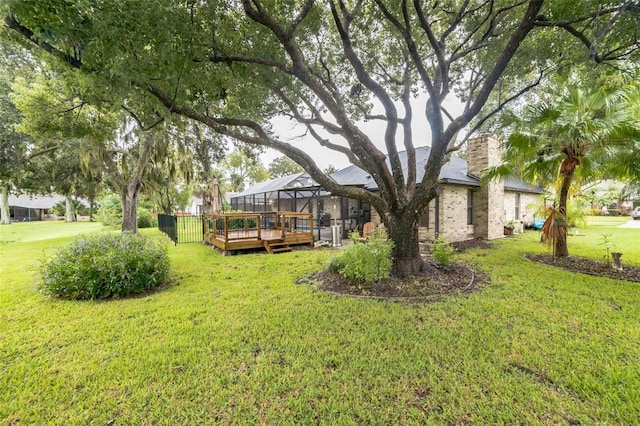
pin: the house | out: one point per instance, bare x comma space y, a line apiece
463, 210
32, 207
196, 204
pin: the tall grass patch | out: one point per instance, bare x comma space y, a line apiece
102, 266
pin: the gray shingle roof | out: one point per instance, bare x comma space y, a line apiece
35, 201
453, 172
514, 184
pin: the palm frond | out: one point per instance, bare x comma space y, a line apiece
494, 173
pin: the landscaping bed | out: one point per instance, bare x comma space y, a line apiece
428, 286
435, 282
588, 266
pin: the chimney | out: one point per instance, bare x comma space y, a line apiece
483, 152
488, 202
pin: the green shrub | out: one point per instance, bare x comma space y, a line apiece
577, 211
145, 218
60, 208
336, 264
105, 265
110, 211
370, 261
242, 223
442, 251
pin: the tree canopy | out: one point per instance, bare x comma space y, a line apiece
15, 147
234, 65
283, 166
240, 169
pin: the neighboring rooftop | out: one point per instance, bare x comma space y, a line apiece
35, 201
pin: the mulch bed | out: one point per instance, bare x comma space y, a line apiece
429, 286
588, 266
433, 284
437, 282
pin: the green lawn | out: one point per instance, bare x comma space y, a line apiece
235, 341
21, 232
590, 240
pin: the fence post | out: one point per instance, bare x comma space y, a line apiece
175, 229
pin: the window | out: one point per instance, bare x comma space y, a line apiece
517, 207
469, 206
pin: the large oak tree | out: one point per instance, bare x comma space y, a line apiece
234, 65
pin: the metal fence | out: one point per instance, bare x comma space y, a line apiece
168, 225
181, 228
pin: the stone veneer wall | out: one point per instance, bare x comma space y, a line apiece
453, 214
488, 202
428, 233
527, 206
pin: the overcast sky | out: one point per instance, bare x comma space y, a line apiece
290, 130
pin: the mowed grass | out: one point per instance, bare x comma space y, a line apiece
602, 231
39, 231
235, 340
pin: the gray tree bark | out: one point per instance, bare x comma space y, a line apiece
5, 213
70, 211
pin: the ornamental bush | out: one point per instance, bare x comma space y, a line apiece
110, 211
370, 261
145, 218
104, 265
442, 251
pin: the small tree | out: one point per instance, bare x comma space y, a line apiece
571, 126
283, 166
110, 211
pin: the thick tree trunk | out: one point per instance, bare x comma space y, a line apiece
129, 187
567, 170
5, 213
403, 230
70, 211
130, 206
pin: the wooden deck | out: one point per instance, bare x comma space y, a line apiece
273, 231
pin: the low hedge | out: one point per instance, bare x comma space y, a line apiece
103, 266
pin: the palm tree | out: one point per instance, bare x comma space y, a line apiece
570, 131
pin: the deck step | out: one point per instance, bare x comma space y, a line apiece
276, 246
281, 249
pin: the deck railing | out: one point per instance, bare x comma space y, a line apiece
256, 226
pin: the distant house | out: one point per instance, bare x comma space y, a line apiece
463, 210
32, 207
196, 204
